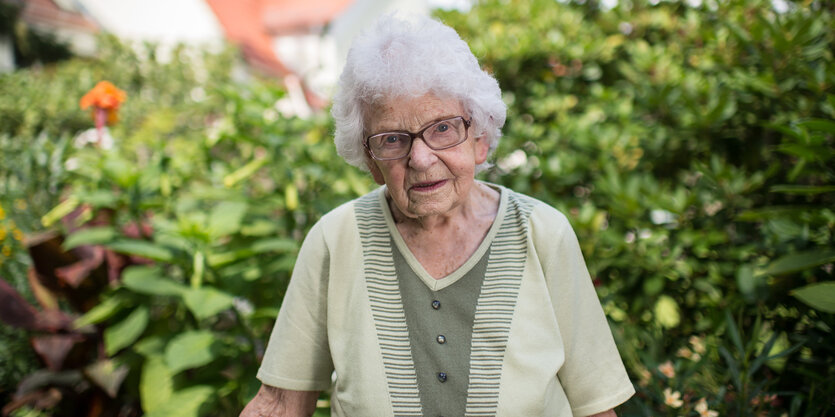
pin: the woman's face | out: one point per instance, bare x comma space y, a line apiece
425, 182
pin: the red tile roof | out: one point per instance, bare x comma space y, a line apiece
47, 13
251, 24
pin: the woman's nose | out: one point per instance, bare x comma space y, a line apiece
421, 155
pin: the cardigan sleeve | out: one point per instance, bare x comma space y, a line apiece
593, 375
298, 356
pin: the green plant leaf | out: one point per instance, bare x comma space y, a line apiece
803, 189
205, 302
225, 219
822, 125
275, 245
799, 261
184, 403
90, 236
820, 296
155, 384
667, 312
142, 248
150, 280
125, 332
101, 312
190, 350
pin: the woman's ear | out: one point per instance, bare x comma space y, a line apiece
482, 148
375, 171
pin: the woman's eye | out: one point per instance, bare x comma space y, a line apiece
392, 139
442, 127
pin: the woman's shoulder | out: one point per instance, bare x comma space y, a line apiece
345, 214
545, 223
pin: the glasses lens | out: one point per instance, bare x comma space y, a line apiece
389, 145
446, 133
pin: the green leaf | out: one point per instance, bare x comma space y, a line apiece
150, 280
799, 261
275, 245
803, 189
822, 125
155, 384
142, 248
184, 403
667, 312
207, 301
820, 296
125, 332
90, 236
190, 350
226, 218
150, 346
101, 311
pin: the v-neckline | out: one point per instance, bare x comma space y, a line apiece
441, 283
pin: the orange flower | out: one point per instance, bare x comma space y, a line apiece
104, 97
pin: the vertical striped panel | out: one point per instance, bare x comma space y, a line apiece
494, 310
387, 307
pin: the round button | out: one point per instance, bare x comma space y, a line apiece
441, 339
442, 376
436, 304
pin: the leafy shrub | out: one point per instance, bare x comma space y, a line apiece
691, 147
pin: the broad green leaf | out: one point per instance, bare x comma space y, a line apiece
275, 245
142, 248
184, 403
150, 346
220, 259
260, 228
90, 236
190, 350
125, 332
819, 124
150, 280
820, 296
101, 311
226, 218
155, 384
108, 375
207, 301
799, 261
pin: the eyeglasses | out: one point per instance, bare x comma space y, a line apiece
437, 136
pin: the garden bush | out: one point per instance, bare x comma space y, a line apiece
690, 145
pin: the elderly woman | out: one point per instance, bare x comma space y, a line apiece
436, 294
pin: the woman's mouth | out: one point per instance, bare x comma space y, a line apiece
428, 186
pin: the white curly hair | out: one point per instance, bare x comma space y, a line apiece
397, 57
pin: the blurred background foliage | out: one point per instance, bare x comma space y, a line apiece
690, 144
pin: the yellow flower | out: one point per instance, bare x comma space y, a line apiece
672, 399
2, 213
18, 235
7, 251
2, 233
667, 369
701, 408
20, 204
